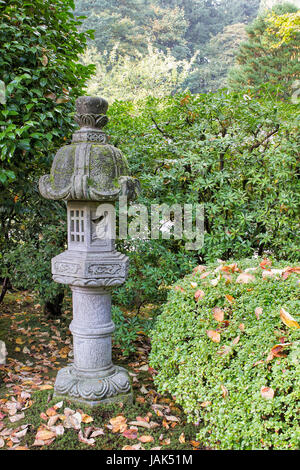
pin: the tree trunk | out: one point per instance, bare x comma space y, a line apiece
5, 286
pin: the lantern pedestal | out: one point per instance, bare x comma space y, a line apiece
92, 378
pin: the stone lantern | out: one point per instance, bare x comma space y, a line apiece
90, 175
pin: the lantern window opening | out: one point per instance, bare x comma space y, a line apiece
77, 226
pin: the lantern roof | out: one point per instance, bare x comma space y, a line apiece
89, 168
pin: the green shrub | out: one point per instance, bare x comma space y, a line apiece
127, 329
222, 385
236, 154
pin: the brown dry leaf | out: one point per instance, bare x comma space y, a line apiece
199, 294
97, 432
236, 340
19, 341
172, 418
86, 418
245, 278
81, 438
204, 275
46, 387
224, 350
16, 417
195, 444
230, 268
218, 314
277, 351
2, 443
224, 391
50, 96
130, 433
229, 298
199, 269
134, 447
265, 263
182, 438
62, 100
242, 327
166, 442
45, 60
258, 312
214, 336
215, 282
204, 404
287, 271
44, 434
145, 439
288, 320
51, 411
144, 424
267, 393
118, 424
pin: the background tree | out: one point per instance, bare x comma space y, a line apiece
156, 74
181, 28
39, 50
262, 59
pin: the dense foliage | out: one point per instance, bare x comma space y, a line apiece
235, 154
39, 50
227, 347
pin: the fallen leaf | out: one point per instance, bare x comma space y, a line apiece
44, 434
218, 314
134, 447
130, 433
214, 336
245, 278
97, 432
224, 391
44, 60
258, 312
199, 294
236, 340
182, 438
230, 268
287, 271
51, 411
267, 393
86, 418
16, 417
277, 351
199, 269
224, 350
229, 298
83, 439
288, 320
118, 424
265, 263
204, 404
145, 439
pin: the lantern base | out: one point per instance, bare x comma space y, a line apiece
95, 389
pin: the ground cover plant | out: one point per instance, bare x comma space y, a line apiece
227, 346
